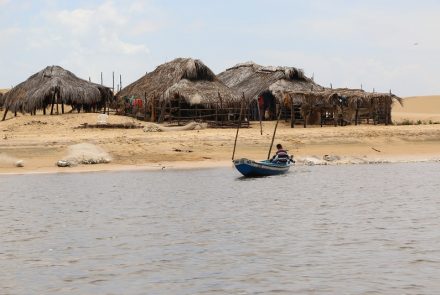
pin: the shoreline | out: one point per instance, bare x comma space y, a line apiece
199, 165
40, 141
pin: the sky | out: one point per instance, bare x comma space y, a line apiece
382, 45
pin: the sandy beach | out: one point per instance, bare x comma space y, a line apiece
40, 141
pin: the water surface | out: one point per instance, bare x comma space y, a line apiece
322, 230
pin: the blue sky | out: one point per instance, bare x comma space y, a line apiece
377, 44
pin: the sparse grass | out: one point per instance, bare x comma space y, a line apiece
405, 122
418, 122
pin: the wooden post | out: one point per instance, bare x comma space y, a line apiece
113, 87
320, 115
4, 115
370, 113
305, 119
101, 79
57, 98
145, 106
357, 113
120, 81
180, 109
44, 110
260, 115
238, 128
216, 112
169, 105
153, 109
53, 103
390, 102
273, 136
292, 114
162, 110
62, 107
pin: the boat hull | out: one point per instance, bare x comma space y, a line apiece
264, 168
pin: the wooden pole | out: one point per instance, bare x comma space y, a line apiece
44, 110
57, 98
113, 77
273, 136
169, 105
4, 115
120, 81
356, 119
389, 104
180, 109
320, 115
53, 103
153, 110
238, 128
259, 116
101, 79
145, 106
305, 119
292, 114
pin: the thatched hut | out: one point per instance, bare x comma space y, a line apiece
55, 85
342, 105
182, 88
263, 86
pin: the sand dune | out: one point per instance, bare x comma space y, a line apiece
423, 108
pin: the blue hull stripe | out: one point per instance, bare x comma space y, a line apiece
264, 168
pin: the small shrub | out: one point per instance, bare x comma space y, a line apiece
406, 122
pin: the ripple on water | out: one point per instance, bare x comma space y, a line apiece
321, 230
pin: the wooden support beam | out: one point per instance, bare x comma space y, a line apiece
53, 103
4, 114
153, 108
145, 106
356, 119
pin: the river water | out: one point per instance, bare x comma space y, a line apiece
364, 229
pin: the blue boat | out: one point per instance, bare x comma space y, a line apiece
263, 168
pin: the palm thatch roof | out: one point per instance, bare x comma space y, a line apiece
253, 79
352, 97
39, 90
187, 78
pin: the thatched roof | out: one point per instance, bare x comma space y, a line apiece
188, 78
39, 89
332, 96
252, 80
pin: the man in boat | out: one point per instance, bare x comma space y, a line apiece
281, 156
